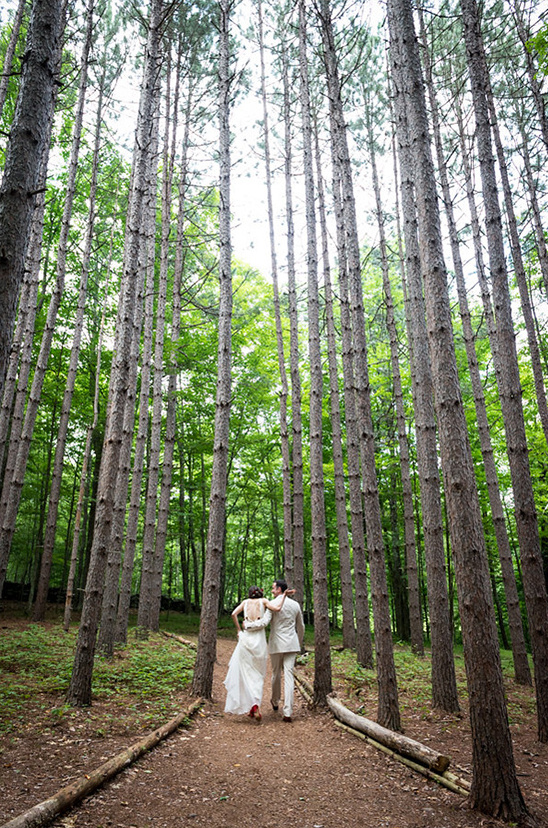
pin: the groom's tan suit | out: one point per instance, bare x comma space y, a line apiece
284, 643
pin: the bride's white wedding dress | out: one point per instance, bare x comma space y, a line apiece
247, 668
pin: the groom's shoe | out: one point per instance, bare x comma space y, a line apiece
274, 706
286, 719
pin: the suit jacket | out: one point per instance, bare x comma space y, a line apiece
286, 629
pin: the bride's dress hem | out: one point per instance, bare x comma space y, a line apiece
246, 672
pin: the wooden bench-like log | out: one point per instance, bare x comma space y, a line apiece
50, 808
395, 741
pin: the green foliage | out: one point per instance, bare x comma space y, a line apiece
36, 664
538, 44
254, 520
415, 685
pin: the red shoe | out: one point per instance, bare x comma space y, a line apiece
253, 711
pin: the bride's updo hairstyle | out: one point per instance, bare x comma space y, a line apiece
255, 592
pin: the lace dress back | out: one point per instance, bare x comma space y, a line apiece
253, 609
247, 667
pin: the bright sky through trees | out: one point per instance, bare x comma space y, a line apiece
250, 228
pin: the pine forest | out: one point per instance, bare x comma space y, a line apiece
274, 303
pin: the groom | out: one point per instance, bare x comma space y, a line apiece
284, 644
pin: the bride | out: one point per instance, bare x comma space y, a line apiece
247, 667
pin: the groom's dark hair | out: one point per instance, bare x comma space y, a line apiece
281, 584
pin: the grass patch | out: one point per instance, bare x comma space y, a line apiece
141, 684
357, 686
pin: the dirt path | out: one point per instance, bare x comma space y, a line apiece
230, 771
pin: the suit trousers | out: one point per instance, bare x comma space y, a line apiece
285, 661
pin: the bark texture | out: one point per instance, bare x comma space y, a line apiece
39, 610
507, 371
495, 788
415, 621
322, 657
29, 135
388, 709
207, 641
296, 565
444, 683
521, 661
345, 564
79, 692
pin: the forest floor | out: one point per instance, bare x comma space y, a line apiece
226, 771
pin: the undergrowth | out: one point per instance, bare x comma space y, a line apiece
359, 685
141, 686
142, 681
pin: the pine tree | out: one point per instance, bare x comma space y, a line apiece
207, 641
507, 370
495, 787
79, 692
29, 135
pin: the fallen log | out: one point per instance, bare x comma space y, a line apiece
50, 808
181, 640
395, 741
448, 780
305, 689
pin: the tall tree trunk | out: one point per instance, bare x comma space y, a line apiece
47, 456
84, 482
11, 491
16, 384
184, 536
147, 254
284, 392
495, 786
535, 86
79, 692
417, 642
294, 568
17, 378
322, 658
521, 662
388, 707
153, 477
508, 378
348, 629
207, 640
444, 682
30, 133
124, 596
84, 476
412, 365
364, 644
55, 489
532, 193
519, 266
169, 437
